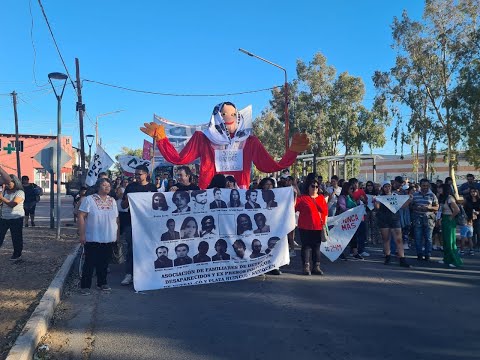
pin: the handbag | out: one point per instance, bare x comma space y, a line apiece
324, 232
117, 256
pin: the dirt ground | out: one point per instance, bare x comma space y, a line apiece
23, 283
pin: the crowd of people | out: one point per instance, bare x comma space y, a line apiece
427, 221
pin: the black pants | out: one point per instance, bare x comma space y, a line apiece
97, 256
311, 241
15, 226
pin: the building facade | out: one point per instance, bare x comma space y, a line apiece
29, 147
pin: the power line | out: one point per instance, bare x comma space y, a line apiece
55, 41
172, 94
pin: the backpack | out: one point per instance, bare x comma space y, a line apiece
461, 217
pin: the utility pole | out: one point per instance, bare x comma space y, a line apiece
17, 142
80, 109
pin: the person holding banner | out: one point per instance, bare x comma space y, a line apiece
345, 202
313, 213
389, 224
140, 185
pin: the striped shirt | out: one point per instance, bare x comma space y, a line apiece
420, 199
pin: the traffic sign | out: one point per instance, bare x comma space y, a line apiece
48, 157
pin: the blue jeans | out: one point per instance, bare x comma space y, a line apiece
423, 228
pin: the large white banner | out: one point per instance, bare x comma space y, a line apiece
341, 229
101, 161
393, 202
206, 236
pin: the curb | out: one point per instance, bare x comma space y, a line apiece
37, 326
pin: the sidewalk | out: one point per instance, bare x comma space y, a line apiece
23, 283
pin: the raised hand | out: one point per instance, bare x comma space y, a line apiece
154, 130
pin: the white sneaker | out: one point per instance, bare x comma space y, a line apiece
452, 266
406, 247
365, 254
127, 280
441, 262
292, 253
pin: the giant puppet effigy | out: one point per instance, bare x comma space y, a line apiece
227, 146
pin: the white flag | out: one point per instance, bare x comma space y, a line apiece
100, 162
393, 202
341, 229
128, 163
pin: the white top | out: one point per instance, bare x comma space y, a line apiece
15, 212
119, 206
101, 221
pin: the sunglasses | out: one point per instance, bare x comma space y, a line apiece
314, 186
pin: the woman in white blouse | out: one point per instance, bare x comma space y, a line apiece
12, 215
99, 229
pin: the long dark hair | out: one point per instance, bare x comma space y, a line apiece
307, 185
372, 191
446, 192
345, 188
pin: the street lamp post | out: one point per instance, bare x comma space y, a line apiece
97, 139
287, 124
89, 143
60, 77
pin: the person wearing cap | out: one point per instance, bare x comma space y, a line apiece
424, 206
390, 226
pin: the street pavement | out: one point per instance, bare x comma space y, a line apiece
358, 310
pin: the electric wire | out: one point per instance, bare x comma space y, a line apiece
179, 95
55, 42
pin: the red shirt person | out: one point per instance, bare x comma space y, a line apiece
226, 146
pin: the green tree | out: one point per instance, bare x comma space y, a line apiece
430, 55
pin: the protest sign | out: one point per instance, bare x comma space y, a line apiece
206, 236
129, 162
341, 229
101, 161
393, 202
147, 150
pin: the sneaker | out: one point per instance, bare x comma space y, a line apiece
15, 257
104, 288
292, 253
471, 252
342, 257
357, 257
406, 247
26, 225
365, 254
403, 263
461, 252
127, 280
441, 262
387, 259
451, 265
441, 248
85, 292
434, 247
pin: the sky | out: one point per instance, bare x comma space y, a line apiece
180, 48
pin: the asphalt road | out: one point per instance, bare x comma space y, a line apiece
42, 212
358, 310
